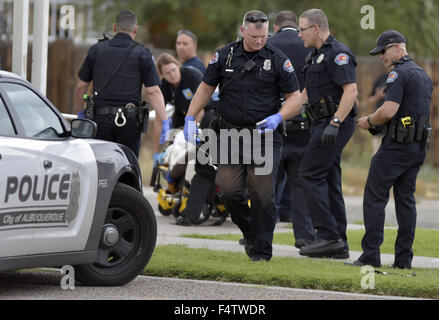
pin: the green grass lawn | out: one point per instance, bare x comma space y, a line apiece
319, 274
426, 241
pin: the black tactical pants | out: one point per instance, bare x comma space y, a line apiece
128, 135
257, 221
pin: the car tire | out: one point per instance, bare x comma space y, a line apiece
131, 214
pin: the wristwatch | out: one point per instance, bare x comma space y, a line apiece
336, 120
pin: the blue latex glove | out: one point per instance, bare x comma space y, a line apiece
159, 158
190, 129
169, 179
81, 114
270, 123
166, 125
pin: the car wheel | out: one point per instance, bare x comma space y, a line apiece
127, 241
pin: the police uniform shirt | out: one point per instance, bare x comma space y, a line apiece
196, 63
181, 96
247, 97
288, 41
411, 87
330, 68
126, 86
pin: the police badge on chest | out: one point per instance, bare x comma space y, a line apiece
267, 65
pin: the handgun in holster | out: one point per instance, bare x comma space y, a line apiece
391, 133
143, 116
331, 106
89, 112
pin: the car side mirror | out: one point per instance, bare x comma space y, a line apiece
84, 128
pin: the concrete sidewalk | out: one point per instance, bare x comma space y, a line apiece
169, 233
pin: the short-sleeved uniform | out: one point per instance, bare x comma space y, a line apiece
249, 94
328, 70
294, 143
397, 165
125, 87
181, 96
196, 63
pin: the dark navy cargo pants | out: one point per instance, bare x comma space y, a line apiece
321, 179
394, 165
293, 149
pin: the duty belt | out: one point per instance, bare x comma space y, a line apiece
406, 131
121, 113
223, 124
291, 125
323, 109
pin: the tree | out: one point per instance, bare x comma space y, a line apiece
216, 22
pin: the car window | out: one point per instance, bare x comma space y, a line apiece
37, 117
6, 127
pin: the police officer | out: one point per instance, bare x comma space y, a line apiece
406, 113
287, 39
186, 47
331, 91
118, 68
252, 75
178, 86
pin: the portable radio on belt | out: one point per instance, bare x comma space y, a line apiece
89, 107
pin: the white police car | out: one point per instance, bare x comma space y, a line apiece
64, 200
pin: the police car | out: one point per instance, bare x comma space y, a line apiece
66, 199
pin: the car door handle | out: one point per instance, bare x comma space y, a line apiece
47, 164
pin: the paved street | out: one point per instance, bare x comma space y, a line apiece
37, 284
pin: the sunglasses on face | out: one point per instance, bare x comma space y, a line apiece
255, 19
383, 51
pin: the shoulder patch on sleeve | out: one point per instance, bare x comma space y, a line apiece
288, 66
188, 94
342, 59
392, 77
214, 58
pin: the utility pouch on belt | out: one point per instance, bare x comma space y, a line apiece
323, 109
143, 116
423, 132
426, 137
405, 131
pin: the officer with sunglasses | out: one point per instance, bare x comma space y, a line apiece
251, 76
405, 115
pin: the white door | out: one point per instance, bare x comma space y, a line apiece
61, 213
18, 158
